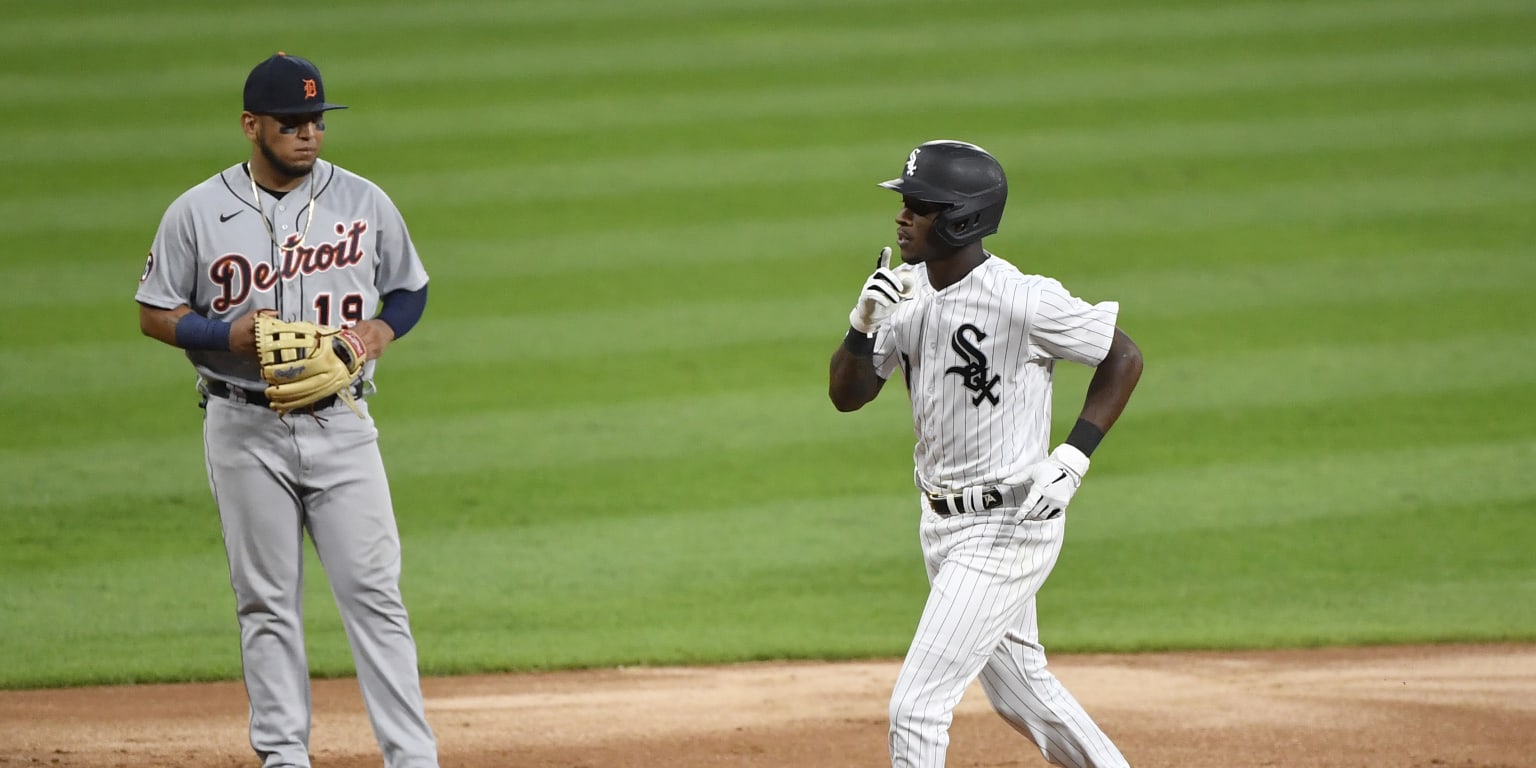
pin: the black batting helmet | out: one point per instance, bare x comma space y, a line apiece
962, 177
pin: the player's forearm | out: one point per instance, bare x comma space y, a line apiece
184, 329
376, 335
1113, 382
159, 323
853, 381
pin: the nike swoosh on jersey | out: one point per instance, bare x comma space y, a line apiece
223, 218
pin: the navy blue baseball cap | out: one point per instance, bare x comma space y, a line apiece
286, 85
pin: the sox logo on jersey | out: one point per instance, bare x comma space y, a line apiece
974, 372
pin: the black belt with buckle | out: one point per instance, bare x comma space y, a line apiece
948, 506
258, 397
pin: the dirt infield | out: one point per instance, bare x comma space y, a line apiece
1405, 707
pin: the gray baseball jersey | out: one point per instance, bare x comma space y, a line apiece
978, 358
325, 252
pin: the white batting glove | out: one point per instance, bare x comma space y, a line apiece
1051, 483
882, 292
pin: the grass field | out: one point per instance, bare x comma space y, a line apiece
645, 221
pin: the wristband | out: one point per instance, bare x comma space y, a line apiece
1085, 436
193, 331
858, 344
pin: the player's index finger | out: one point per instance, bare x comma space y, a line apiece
885, 258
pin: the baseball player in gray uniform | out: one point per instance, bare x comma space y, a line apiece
976, 341
291, 234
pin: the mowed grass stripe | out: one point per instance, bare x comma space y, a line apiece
813, 251
1194, 370
841, 243
626, 585
1309, 423
692, 175
1125, 504
745, 36
1206, 383
776, 416
178, 23
532, 22
667, 323
1039, 146
589, 434
184, 521
1327, 279
1012, 89
1313, 201
1340, 592
1399, 576
1306, 374
761, 97
1334, 370
1241, 494
561, 574
1322, 199
806, 289
657, 325
715, 329
1088, 212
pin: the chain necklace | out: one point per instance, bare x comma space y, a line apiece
256, 197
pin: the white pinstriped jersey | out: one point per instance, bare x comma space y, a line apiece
214, 253
978, 359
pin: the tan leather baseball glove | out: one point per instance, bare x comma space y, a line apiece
304, 363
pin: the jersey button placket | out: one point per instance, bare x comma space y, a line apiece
932, 355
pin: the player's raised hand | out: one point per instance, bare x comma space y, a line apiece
884, 289
1051, 483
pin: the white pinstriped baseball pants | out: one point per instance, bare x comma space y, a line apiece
983, 571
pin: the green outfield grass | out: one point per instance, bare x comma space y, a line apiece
645, 222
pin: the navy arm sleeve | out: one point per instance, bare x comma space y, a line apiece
403, 308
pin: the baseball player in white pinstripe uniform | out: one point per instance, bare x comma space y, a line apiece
976, 341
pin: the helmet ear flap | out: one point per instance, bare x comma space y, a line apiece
955, 224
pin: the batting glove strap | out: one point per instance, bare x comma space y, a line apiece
1051, 484
1072, 459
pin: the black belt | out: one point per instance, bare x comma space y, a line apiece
259, 397
947, 506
